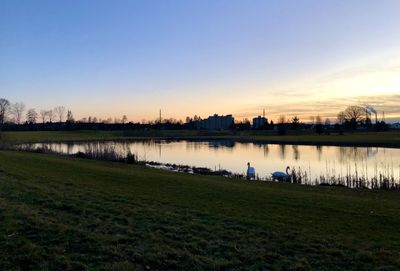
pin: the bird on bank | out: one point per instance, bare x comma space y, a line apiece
251, 172
282, 176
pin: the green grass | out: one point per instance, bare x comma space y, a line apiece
386, 139
59, 213
51, 136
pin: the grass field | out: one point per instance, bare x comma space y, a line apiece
384, 139
60, 213
51, 136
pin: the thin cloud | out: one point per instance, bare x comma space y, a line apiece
327, 108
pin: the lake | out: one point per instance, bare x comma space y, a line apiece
233, 156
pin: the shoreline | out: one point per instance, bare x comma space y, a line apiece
382, 139
233, 139
351, 181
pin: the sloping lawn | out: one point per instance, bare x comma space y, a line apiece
59, 213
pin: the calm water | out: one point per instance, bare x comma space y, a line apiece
266, 158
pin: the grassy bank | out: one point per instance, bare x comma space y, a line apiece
383, 139
62, 213
54, 136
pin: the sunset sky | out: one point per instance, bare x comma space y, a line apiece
291, 57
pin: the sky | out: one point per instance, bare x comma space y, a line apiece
107, 58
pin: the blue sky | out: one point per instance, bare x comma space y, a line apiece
108, 58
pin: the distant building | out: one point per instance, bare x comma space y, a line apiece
259, 122
216, 122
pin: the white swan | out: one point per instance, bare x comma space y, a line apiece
282, 176
251, 172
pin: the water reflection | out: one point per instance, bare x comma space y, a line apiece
266, 150
266, 158
296, 153
319, 152
346, 154
221, 144
282, 149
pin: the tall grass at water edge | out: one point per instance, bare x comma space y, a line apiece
353, 176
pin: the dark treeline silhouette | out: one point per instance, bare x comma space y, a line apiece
73, 126
14, 118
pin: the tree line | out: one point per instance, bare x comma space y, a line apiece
15, 113
15, 116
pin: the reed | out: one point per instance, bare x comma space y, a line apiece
91, 151
356, 178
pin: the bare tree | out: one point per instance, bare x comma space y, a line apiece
31, 116
282, 119
341, 117
318, 119
17, 110
124, 119
43, 115
60, 112
70, 117
354, 114
327, 122
312, 119
50, 114
4, 108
